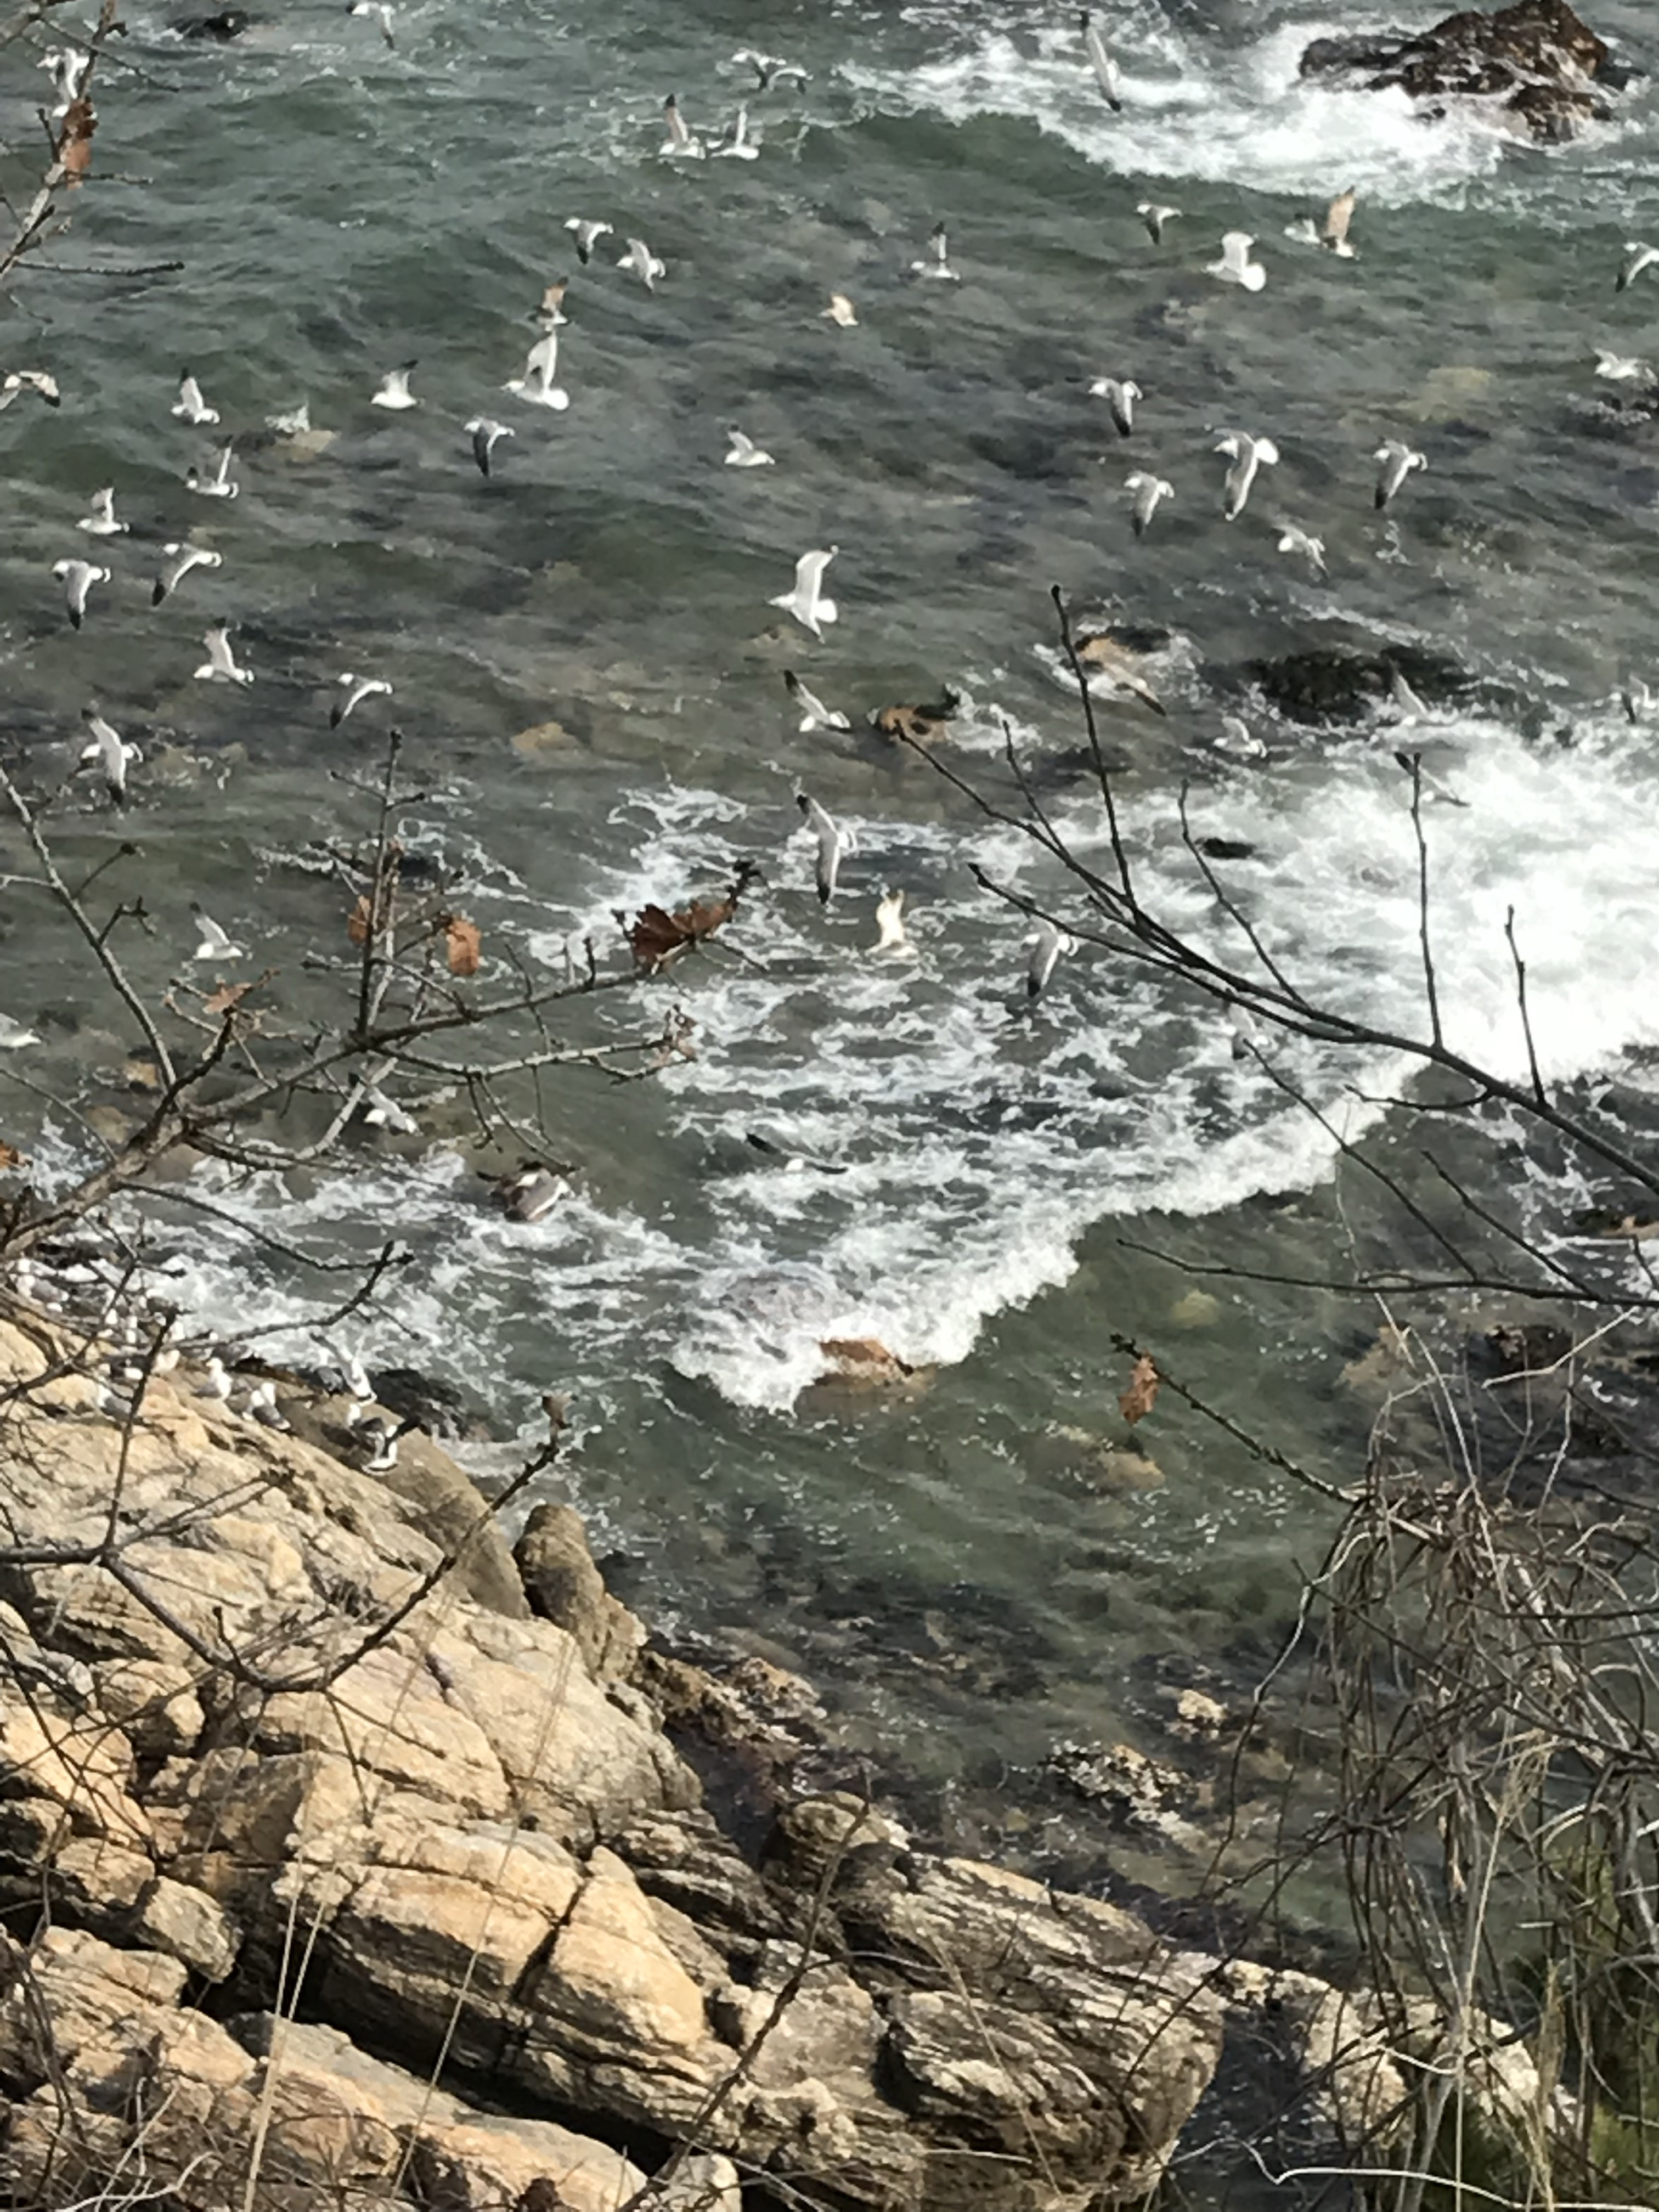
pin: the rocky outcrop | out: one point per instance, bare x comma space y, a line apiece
266, 1741
1546, 71
1339, 683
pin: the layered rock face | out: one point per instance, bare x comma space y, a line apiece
329, 1858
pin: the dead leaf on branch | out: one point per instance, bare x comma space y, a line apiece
11, 1158
1138, 1400
74, 146
227, 998
659, 937
462, 944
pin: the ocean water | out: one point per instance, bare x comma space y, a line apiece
960, 1568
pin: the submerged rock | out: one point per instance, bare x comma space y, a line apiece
1536, 61
1339, 684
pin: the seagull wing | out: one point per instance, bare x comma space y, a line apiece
809, 574
1338, 217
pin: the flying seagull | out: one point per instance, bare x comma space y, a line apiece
1235, 266
1293, 539
486, 435
1238, 739
394, 392
211, 942
1248, 454
1334, 236
380, 10
536, 386
807, 601
77, 579
29, 379
220, 484
815, 715
292, 422
1045, 944
890, 922
769, 68
1146, 491
1624, 368
745, 453
1155, 216
681, 144
177, 561
1638, 257
834, 843
1397, 463
1121, 394
190, 406
114, 756
737, 145
1101, 62
841, 311
101, 522
219, 666
586, 234
382, 1113
938, 266
357, 690
644, 263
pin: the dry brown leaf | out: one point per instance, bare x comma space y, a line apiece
74, 148
461, 944
226, 999
656, 935
357, 927
11, 1158
1138, 1400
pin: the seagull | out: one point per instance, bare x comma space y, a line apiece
1155, 216
211, 942
68, 71
644, 263
293, 424
1248, 454
179, 559
13, 1037
382, 1113
738, 145
382, 1440
680, 144
840, 311
1293, 539
532, 1193
1636, 698
938, 266
745, 453
791, 1163
216, 1382
1100, 61
394, 392
536, 386
551, 311
354, 1376
1120, 393
815, 715
890, 921
357, 689
190, 405
1117, 665
586, 234
1045, 944
1636, 258
261, 1406
107, 747
805, 602
1238, 739
29, 379
1246, 1031
1333, 237
219, 485
1146, 491
1235, 266
77, 579
101, 522
1624, 368
486, 435
1397, 463
381, 11
220, 667
834, 843
769, 68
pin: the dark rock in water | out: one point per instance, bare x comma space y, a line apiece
1337, 684
1537, 58
1225, 848
228, 23
438, 1407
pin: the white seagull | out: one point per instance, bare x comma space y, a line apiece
814, 714
178, 560
1145, 491
219, 666
1235, 266
1333, 235
1397, 462
1248, 454
190, 406
221, 485
486, 435
536, 386
1121, 394
380, 10
841, 312
1105, 67
382, 1113
644, 263
807, 601
217, 1383
1155, 215
586, 235
13, 1038
108, 748
211, 942
834, 843
939, 265
68, 71
1045, 944
1624, 368
1294, 539
738, 145
356, 689
890, 921
681, 144
769, 68
394, 392
29, 379
1638, 257
77, 579
1238, 739
745, 453
101, 522
294, 422
1246, 1031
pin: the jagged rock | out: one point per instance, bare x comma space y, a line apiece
187, 1925
563, 1585
1535, 61
1342, 684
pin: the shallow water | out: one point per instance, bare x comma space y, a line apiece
956, 1575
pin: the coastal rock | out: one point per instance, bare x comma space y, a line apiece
1535, 61
564, 1586
1341, 684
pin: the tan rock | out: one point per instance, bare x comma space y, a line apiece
487, 2165
187, 1924
564, 1586
154, 1703
611, 1971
